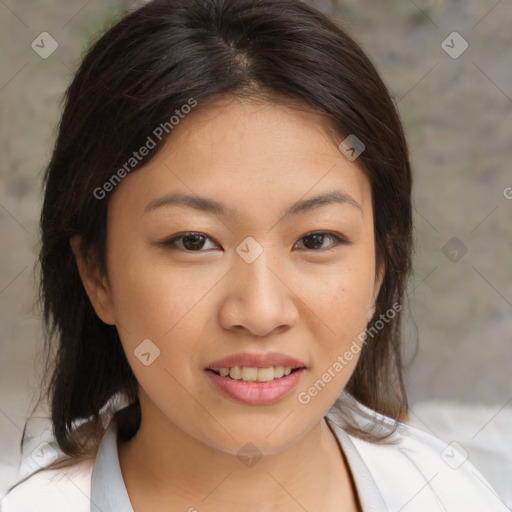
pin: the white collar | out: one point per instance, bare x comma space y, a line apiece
109, 494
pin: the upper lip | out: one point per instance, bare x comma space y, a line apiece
254, 360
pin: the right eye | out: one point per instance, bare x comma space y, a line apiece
188, 242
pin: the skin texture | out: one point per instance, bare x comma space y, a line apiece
305, 300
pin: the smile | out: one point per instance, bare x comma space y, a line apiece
255, 386
254, 374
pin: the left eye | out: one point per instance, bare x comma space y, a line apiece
194, 242
318, 238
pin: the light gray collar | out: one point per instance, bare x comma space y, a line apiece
109, 494
369, 495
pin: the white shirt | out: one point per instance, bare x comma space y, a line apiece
418, 473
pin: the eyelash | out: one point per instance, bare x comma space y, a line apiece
338, 240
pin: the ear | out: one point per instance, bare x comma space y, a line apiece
379, 277
95, 285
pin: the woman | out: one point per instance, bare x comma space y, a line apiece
226, 241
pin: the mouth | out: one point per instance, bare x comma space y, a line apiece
255, 385
255, 374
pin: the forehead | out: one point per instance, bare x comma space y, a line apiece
245, 151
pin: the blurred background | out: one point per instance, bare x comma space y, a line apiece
447, 64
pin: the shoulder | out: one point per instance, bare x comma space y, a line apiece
417, 471
52, 490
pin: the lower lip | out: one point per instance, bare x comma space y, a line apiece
256, 393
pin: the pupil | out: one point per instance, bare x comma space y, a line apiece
317, 237
196, 244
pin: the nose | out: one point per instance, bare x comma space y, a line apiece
258, 297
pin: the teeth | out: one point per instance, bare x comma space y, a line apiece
278, 372
236, 372
252, 374
248, 373
264, 374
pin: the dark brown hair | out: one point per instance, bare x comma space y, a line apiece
133, 79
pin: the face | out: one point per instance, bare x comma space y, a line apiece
255, 269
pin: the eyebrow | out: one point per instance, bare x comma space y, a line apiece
212, 206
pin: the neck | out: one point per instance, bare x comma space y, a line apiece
162, 466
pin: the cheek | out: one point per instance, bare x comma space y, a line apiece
152, 299
341, 299
156, 311
167, 305
340, 305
